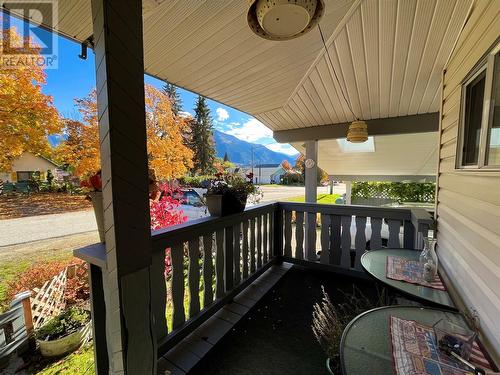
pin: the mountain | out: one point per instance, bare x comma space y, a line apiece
240, 152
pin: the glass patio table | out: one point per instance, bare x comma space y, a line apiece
374, 262
366, 342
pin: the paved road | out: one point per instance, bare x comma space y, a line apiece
35, 228
276, 193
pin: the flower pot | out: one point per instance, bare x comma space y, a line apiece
96, 197
66, 344
329, 366
225, 204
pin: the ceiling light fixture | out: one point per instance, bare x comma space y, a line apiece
283, 19
358, 132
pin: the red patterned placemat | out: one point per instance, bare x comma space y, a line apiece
410, 271
415, 351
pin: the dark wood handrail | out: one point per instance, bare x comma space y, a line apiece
164, 238
331, 209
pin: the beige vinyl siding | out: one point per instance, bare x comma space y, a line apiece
468, 208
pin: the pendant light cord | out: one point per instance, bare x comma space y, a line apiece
335, 73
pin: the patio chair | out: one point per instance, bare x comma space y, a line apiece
23, 187
7, 188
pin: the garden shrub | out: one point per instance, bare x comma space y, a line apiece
69, 321
76, 291
196, 181
34, 277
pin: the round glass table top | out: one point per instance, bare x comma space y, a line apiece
366, 342
374, 262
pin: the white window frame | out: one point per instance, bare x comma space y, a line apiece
486, 63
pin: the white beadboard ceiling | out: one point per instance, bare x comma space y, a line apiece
387, 54
395, 155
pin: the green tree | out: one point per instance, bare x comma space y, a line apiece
226, 157
176, 102
202, 142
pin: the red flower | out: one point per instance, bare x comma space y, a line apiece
94, 182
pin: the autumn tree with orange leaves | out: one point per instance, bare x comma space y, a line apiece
27, 116
80, 150
167, 153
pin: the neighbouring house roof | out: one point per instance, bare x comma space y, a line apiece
280, 171
267, 166
28, 158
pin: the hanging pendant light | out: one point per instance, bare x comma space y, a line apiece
283, 19
358, 132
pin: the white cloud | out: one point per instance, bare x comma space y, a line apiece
251, 131
222, 114
185, 114
283, 148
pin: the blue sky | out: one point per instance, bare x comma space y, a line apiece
75, 78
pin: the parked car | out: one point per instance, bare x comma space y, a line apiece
192, 204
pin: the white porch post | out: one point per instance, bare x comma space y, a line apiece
311, 171
117, 30
348, 192
311, 186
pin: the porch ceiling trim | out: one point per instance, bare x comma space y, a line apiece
424, 123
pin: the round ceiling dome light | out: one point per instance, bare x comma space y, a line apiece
358, 132
283, 19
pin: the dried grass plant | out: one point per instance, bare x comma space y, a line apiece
330, 320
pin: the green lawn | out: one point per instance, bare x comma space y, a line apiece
11, 269
322, 198
79, 362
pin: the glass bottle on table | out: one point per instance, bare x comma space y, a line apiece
428, 257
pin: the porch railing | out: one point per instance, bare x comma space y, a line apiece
210, 260
339, 235
219, 256
199, 266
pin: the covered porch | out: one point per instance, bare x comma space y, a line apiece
399, 65
226, 265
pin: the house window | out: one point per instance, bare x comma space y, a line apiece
494, 129
23, 176
479, 146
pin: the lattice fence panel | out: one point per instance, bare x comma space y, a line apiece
49, 299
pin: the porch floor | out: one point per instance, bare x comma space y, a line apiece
275, 336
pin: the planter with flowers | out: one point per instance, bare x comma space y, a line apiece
228, 193
64, 333
93, 187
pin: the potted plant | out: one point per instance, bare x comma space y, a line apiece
227, 194
329, 322
93, 187
64, 333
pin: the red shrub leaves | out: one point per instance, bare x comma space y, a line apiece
35, 276
166, 212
